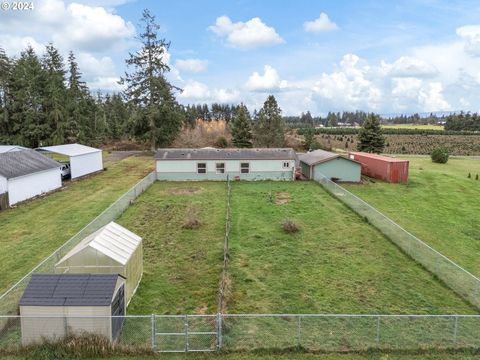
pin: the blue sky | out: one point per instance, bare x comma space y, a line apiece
384, 56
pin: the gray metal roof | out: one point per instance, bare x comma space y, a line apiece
319, 156
69, 290
23, 162
226, 154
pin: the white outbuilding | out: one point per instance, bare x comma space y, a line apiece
8, 148
25, 174
84, 160
111, 249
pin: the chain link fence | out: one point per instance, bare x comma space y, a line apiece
453, 275
246, 332
9, 300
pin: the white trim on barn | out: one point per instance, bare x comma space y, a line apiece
84, 160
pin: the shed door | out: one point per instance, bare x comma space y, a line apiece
118, 309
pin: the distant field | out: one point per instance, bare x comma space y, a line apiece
337, 263
414, 126
33, 230
440, 205
181, 266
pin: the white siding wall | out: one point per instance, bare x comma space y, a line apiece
85, 164
189, 166
3, 185
28, 186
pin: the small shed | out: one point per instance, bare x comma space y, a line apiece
333, 166
382, 167
25, 174
112, 249
84, 160
57, 305
8, 148
217, 164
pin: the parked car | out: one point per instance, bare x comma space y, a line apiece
65, 169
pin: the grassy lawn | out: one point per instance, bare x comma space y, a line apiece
181, 266
34, 229
440, 205
337, 263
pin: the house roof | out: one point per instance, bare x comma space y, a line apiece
320, 156
8, 148
69, 290
112, 240
226, 154
70, 149
376, 156
24, 162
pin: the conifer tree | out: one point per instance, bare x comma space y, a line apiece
370, 137
241, 128
269, 127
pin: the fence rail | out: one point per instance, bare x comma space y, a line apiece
9, 299
245, 332
453, 275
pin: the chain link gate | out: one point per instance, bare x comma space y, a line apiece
186, 333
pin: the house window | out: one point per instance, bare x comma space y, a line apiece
220, 168
201, 168
286, 164
244, 168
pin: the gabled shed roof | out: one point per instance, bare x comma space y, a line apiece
226, 154
8, 148
70, 149
69, 290
320, 156
24, 162
112, 240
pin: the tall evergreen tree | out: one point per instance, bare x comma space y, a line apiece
269, 126
370, 137
158, 117
241, 129
6, 68
55, 94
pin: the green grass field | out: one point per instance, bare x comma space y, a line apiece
34, 229
181, 266
440, 205
414, 126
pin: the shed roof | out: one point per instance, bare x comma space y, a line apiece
320, 156
70, 149
112, 240
8, 148
69, 290
24, 162
226, 154
378, 157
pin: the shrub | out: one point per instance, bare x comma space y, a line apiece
440, 155
476, 177
290, 227
221, 142
469, 175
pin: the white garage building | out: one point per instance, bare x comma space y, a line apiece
26, 173
8, 148
84, 160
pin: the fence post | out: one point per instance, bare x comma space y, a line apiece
219, 332
153, 331
455, 330
299, 331
377, 337
186, 332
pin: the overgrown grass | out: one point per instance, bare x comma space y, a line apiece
34, 229
413, 126
440, 205
181, 266
337, 263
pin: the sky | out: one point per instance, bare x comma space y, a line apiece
382, 56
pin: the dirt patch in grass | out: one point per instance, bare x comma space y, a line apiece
185, 191
282, 198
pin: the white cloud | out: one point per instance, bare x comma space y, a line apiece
195, 90
269, 81
246, 35
431, 98
226, 96
109, 84
192, 65
322, 23
407, 66
13, 45
471, 35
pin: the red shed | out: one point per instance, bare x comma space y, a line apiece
382, 167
